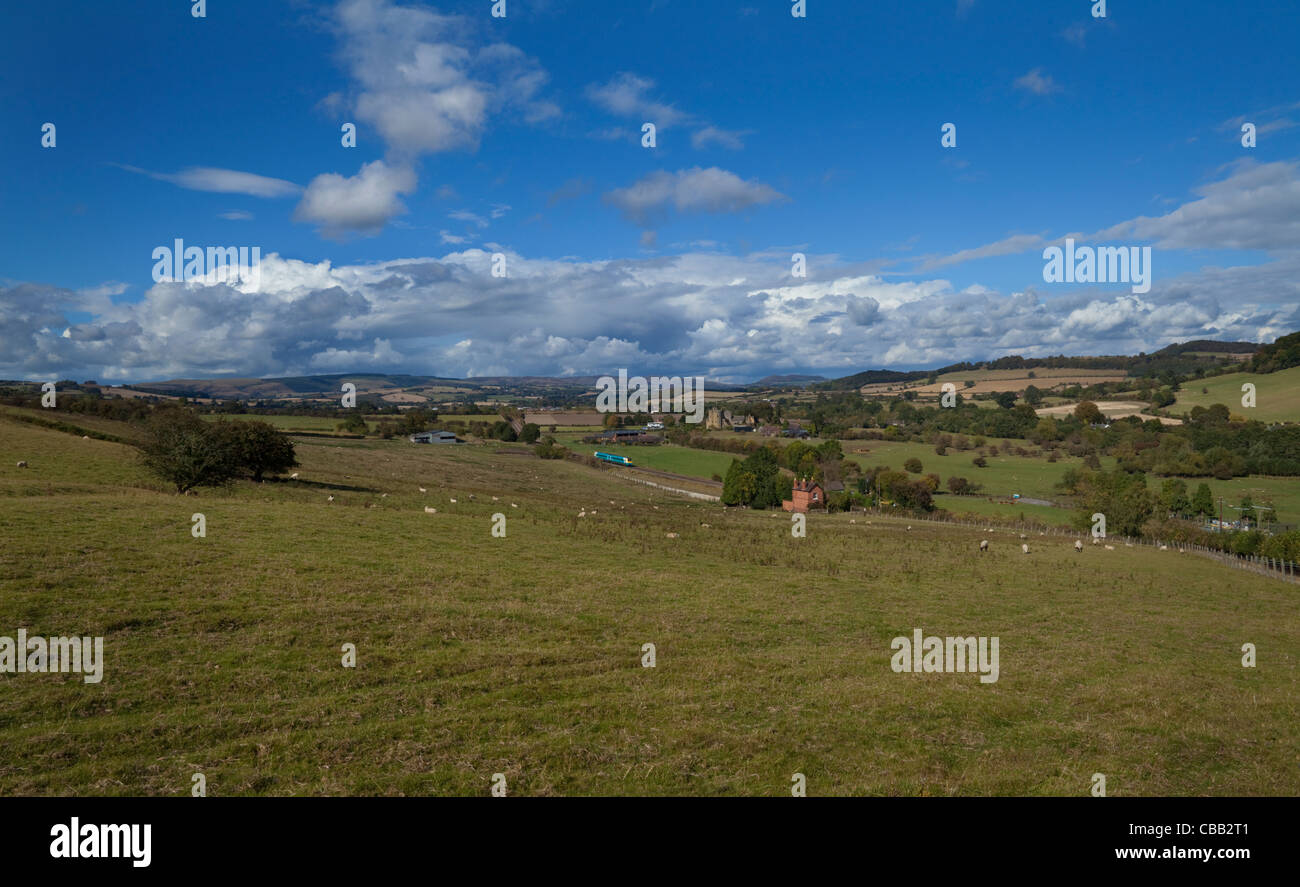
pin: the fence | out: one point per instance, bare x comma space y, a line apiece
1288, 571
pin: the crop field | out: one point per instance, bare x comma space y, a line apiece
523, 654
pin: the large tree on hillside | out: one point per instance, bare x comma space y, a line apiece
186, 451
258, 448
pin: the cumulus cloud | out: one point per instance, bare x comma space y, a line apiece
710, 190
735, 318
363, 203
423, 84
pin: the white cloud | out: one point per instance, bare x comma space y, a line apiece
363, 203
711, 190
627, 96
222, 181
1037, 83
712, 135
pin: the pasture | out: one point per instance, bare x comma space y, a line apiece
1277, 395
522, 655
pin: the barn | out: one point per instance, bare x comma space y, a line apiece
434, 437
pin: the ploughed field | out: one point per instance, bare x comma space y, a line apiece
522, 655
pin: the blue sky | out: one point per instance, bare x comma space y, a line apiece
521, 136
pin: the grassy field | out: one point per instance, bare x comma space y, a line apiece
521, 655
1277, 395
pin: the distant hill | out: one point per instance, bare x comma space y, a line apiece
787, 381
1181, 358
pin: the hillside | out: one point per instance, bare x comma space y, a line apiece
521, 655
1277, 395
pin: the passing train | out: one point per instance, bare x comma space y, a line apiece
617, 460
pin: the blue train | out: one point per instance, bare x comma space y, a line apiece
617, 460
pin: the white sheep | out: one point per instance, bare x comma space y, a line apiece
428, 510
984, 545
672, 535
22, 464
1024, 547
293, 476
330, 499
423, 490
1078, 545
1110, 547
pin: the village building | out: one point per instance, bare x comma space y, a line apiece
807, 494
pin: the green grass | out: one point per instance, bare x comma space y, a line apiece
679, 460
480, 655
1277, 395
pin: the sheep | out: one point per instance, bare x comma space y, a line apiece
1024, 547
428, 510
1096, 541
293, 476
22, 464
1164, 547
513, 505
1078, 545
1023, 536
330, 499
582, 514
852, 521
423, 490
496, 498
984, 545
453, 501
672, 535
706, 526
1110, 547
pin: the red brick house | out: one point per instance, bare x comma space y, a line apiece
807, 494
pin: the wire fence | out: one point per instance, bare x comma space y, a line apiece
1288, 571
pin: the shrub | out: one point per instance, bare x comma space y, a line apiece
187, 452
912, 466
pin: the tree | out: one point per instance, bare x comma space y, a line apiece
1005, 399
1088, 413
979, 462
958, 486
1033, 395
1203, 501
1173, 496
912, 465
1122, 497
257, 447
355, 423
187, 452
530, 433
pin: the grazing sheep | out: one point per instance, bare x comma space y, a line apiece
330, 499
1023, 536
1078, 545
852, 521
428, 510
706, 526
513, 505
1096, 541
423, 490
909, 528
453, 501
293, 476
1110, 547
1024, 548
496, 498
984, 545
22, 464
1164, 547
672, 535
383, 495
